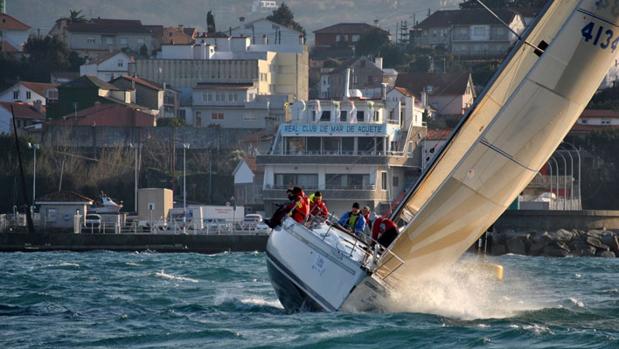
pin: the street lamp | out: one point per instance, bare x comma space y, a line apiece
34, 148
135, 177
185, 147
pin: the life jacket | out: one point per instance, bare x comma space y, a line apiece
318, 208
300, 211
352, 220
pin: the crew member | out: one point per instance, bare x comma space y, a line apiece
318, 208
384, 231
297, 208
365, 211
353, 221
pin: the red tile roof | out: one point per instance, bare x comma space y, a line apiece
140, 81
38, 87
108, 26
404, 91
64, 196
111, 115
348, 28
448, 18
442, 84
600, 113
10, 23
23, 111
436, 135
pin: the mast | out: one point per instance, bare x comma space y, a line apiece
21, 175
527, 118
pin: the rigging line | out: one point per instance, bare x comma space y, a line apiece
520, 38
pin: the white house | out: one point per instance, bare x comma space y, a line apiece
404, 107
13, 34
108, 67
25, 116
30, 93
270, 36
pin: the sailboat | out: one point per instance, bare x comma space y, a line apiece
510, 132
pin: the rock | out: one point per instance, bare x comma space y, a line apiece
539, 237
611, 240
556, 249
595, 233
605, 254
561, 235
517, 245
583, 249
537, 248
597, 243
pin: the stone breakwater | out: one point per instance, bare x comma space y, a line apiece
560, 243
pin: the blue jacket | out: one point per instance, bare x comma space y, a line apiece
359, 224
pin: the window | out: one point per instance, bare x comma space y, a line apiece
360, 116
28, 94
347, 181
383, 180
109, 41
217, 116
396, 181
376, 116
123, 41
231, 97
306, 181
140, 42
16, 94
325, 116
343, 115
209, 96
248, 116
198, 119
182, 114
331, 145
91, 41
356, 37
52, 94
51, 214
338, 38
120, 63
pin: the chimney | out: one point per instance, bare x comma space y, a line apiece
347, 84
383, 91
38, 105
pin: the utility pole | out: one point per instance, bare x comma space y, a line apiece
23, 179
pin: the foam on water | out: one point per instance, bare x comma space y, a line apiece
466, 291
162, 274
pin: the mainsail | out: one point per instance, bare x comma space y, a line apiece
508, 136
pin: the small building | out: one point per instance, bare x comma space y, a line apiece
236, 105
58, 209
595, 120
469, 33
27, 117
343, 34
107, 66
13, 34
154, 204
178, 35
148, 93
98, 36
267, 35
248, 178
366, 75
450, 94
84, 92
108, 115
30, 93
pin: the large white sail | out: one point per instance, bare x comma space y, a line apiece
519, 63
520, 136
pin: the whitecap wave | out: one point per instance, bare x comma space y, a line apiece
63, 265
577, 302
162, 274
228, 297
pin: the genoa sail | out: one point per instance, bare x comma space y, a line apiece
509, 135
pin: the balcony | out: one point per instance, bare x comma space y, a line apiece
331, 194
363, 158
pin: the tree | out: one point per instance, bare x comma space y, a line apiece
284, 16
210, 23
45, 55
372, 42
76, 16
143, 51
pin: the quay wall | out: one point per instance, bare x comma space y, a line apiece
19, 241
545, 220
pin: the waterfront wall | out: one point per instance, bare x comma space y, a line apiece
15, 241
545, 220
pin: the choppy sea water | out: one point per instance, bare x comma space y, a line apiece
152, 300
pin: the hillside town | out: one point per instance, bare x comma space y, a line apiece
186, 116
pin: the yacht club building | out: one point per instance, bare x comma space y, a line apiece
351, 150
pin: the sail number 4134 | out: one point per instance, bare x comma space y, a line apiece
600, 36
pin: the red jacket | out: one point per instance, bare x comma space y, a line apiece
381, 225
299, 209
319, 209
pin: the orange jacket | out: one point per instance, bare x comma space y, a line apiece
300, 208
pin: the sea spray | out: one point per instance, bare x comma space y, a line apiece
467, 290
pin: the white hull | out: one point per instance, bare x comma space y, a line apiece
316, 269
